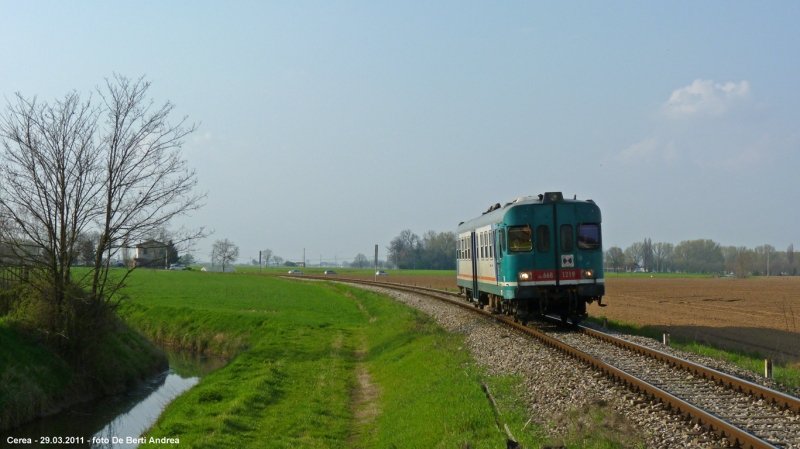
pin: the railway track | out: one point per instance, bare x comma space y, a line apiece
739, 412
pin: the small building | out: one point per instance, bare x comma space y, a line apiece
151, 253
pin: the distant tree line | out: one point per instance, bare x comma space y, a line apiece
433, 251
701, 256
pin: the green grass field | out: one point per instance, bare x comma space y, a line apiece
299, 353
296, 350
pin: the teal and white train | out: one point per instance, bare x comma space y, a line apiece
535, 255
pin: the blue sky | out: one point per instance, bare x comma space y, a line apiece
333, 126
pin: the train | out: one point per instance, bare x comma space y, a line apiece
535, 255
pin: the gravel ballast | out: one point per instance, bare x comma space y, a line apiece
557, 387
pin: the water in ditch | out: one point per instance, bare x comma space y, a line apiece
115, 421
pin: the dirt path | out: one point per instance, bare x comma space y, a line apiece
364, 398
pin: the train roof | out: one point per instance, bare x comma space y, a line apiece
496, 212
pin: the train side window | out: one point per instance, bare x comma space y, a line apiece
501, 239
520, 238
588, 236
491, 244
567, 239
543, 239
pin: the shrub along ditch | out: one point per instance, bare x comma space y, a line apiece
37, 379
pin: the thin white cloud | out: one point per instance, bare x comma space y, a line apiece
639, 150
649, 150
705, 97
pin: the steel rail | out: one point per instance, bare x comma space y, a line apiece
777, 398
734, 435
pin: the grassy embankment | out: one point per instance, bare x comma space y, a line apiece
35, 380
320, 365
785, 374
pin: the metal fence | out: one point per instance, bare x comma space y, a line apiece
9, 277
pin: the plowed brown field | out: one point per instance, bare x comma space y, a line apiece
759, 314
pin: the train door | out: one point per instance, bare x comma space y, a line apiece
566, 264
474, 260
544, 252
499, 249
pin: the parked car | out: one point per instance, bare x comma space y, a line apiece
177, 267
295, 272
330, 272
381, 273
117, 264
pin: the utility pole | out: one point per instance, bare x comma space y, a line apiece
767, 260
304, 257
376, 263
259, 262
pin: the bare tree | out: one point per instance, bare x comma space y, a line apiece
634, 254
360, 261
224, 252
86, 248
744, 262
278, 260
790, 257
647, 255
662, 253
266, 256
765, 258
71, 168
145, 181
49, 188
403, 249
615, 257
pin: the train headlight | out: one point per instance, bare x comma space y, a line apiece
524, 276
588, 274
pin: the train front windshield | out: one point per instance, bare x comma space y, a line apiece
520, 238
588, 236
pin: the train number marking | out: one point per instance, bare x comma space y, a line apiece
567, 260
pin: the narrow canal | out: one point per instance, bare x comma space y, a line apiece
113, 421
